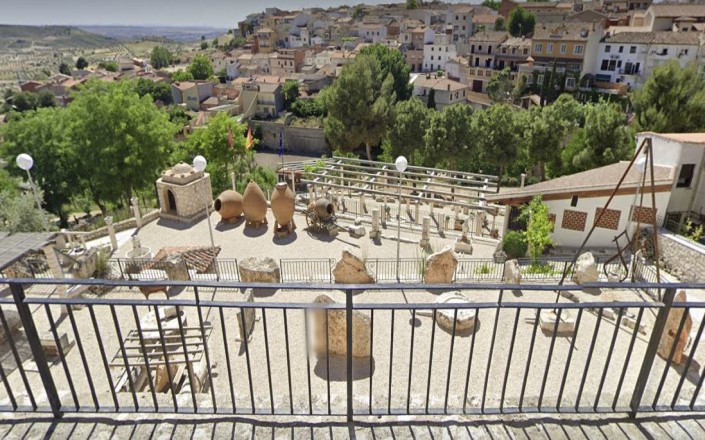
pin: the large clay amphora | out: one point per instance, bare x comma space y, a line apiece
254, 204
283, 204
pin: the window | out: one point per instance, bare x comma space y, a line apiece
456, 17
539, 80
604, 65
472, 49
574, 201
570, 82
526, 51
564, 48
464, 17
463, 27
549, 48
538, 47
621, 49
479, 48
685, 178
578, 49
612, 65
685, 51
432, 49
608, 48
632, 49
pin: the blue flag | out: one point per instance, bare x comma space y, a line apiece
281, 142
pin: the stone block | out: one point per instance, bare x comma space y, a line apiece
259, 270
337, 331
440, 267
464, 318
13, 323
547, 321
351, 269
585, 270
249, 315
671, 336
512, 272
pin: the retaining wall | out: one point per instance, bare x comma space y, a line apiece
681, 257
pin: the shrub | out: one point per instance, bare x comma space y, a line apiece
514, 244
513, 181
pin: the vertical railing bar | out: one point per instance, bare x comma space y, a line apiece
62, 357
84, 361
509, 360
8, 388
162, 342
349, 352
99, 340
128, 368
16, 355
549, 357
269, 367
669, 360
651, 350
609, 358
627, 359
589, 359
227, 359
391, 363
288, 361
568, 360
372, 339
189, 367
430, 359
308, 362
489, 356
206, 351
528, 361
328, 360
247, 359
472, 349
411, 360
146, 359
450, 360
687, 363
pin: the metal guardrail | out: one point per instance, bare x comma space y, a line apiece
503, 365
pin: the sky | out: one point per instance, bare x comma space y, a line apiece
215, 13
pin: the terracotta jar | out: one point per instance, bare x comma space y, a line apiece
228, 205
324, 209
254, 204
283, 204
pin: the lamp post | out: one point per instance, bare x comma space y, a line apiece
199, 163
401, 164
25, 162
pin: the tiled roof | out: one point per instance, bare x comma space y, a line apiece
678, 10
484, 19
439, 83
491, 36
691, 138
600, 178
197, 257
666, 37
563, 31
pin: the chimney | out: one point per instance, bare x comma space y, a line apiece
449, 87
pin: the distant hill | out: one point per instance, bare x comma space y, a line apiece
174, 33
18, 37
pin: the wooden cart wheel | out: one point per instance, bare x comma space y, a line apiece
311, 219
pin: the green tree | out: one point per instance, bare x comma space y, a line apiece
159, 91
201, 67
182, 75
122, 139
604, 139
538, 227
412, 4
500, 25
64, 69
492, 4
44, 135
672, 100
212, 143
500, 87
45, 99
406, 133
204, 45
521, 22
81, 63
18, 213
359, 106
290, 90
392, 62
110, 66
160, 57
431, 102
497, 136
449, 138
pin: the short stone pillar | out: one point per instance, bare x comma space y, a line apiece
376, 230
479, 221
56, 272
293, 182
425, 232
234, 181
361, 205
309, 187
111, 232
417, 212
441, 223
135, 202
523, 180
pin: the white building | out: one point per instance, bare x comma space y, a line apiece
438, 53
575, 201
446, 92
630, 57
373, 32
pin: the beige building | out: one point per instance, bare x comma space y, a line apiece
184, 193
446, 92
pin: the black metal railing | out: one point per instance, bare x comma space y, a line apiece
388, 350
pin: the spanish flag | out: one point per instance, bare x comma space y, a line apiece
250, 140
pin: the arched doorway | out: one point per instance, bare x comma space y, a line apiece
170, 202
